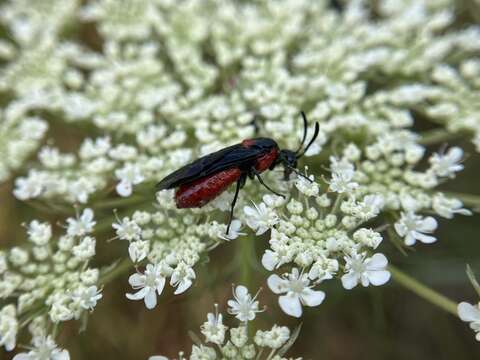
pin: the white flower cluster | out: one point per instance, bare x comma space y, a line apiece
471, 314
48, 277
329, 235
222, 342
29, 21
320, 236
20, 135
43, 348
388, 169
451, 96
153, 84
172, 242
149, 85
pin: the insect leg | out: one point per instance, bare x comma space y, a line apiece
240, 183
255, 125
257, 174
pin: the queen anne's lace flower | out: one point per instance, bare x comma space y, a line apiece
87, 297
447, 207
138, 250
182, 277
360, 269
213, 328
239, 342
297, 290
274, 338
81, 225
39, 233
243, 306
8, 327
342, 181
53, 270
129, 175
44, 348
471, 314
260, 217
413, 227
28, 188
446, 165
148, 284
127, 229
234, 231
174, 81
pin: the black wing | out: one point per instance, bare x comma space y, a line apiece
232, 156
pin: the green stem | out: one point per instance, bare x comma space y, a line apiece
473, 279
423, 291
245, 250
436, 136
259, 355
117, 270
25, 320
396, 241
338, 202
271, 354
51, 208
120, 202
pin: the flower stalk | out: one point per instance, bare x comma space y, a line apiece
423, 291
436, 136
246, 251
116, 270
121, 202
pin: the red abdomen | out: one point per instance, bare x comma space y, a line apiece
201, 191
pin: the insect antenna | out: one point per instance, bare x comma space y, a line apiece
317, 130
305, 126
299, 173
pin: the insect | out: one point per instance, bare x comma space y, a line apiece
207, 177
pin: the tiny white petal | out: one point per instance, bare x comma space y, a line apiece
161, 285
136, 280
378, 277
378, 261
241, 291
124, 188
426, 239
151, 299
140, 294
429, 224
350, 280
269, 260
312, 297
276, 284
183, 286
290, 305
468, 312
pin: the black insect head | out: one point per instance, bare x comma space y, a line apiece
289, 158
